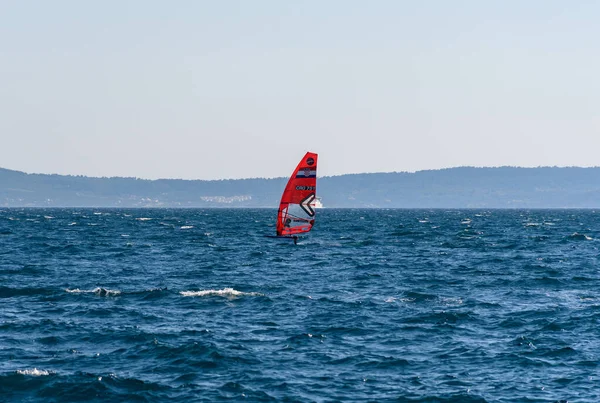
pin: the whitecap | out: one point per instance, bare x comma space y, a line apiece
48, 217
187, 226
451, 300
578, 236
143, 219
33, 372
73, 223
103, 292
111, 375
225, 292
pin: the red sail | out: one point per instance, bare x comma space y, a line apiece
296, 210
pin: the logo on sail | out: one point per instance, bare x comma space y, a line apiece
306, 205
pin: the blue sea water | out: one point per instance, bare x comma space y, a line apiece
373, 305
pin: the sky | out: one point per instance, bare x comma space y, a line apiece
241, 89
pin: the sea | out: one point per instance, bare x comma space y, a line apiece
374, 305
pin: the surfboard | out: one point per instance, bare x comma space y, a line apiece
296, 214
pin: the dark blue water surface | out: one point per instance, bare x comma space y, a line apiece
373, 305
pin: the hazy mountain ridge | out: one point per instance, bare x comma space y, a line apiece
463, 187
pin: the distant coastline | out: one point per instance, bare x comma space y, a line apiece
462, 187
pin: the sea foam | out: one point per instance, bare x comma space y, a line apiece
225, 292
103, 292
33, 372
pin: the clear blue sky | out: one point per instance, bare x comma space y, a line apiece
234, 89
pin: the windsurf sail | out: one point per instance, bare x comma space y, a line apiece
296, 210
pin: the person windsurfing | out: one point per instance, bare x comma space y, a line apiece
296, 215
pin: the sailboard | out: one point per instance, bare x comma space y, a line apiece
296, 214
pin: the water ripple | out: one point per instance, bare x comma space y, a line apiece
374, 305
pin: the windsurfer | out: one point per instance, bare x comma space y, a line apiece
295, 215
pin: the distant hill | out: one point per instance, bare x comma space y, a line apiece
465, 187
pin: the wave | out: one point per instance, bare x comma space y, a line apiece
580, 237
148, 293
34, 372
78, 386
102, 292
415, 296
225, 292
